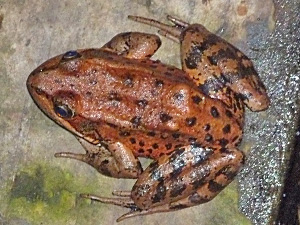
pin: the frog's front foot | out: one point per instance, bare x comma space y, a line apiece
113, 160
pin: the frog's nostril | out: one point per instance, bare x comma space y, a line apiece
39, 91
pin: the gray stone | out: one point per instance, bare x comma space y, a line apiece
37, 188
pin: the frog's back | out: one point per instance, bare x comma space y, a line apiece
142, 103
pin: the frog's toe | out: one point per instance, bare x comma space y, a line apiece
142, 212
178, 22
122, 193
125, 201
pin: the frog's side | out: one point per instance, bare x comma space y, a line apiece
121, 105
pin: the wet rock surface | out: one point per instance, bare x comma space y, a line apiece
36, 188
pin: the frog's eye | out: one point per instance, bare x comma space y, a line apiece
71, 55
63, 111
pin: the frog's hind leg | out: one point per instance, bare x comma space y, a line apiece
113, 160
171, 32
133, 45
190, 176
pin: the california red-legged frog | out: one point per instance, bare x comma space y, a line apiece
122, 105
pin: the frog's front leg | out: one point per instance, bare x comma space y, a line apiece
190, 176
114, 160
133, 45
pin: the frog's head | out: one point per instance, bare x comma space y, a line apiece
56, 87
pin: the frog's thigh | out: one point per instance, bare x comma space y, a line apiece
114, 160
190, 176
133, 45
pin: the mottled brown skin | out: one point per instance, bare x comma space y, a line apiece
121, 105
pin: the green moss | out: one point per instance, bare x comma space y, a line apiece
226, 208
42, 194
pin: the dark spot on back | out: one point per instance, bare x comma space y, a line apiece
164, 117
128, 81
161, 154
159, 83
141, 143
142, 103
214, 112
223, 142
206, 127
226, 129
155, 146
228, 113
151, 133
191, 121
124, 133
168, 146
141, 150
136, 121
196, 99
132, 140
175, 135
208, 138
114, 96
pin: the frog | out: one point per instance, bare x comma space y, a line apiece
122, 105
